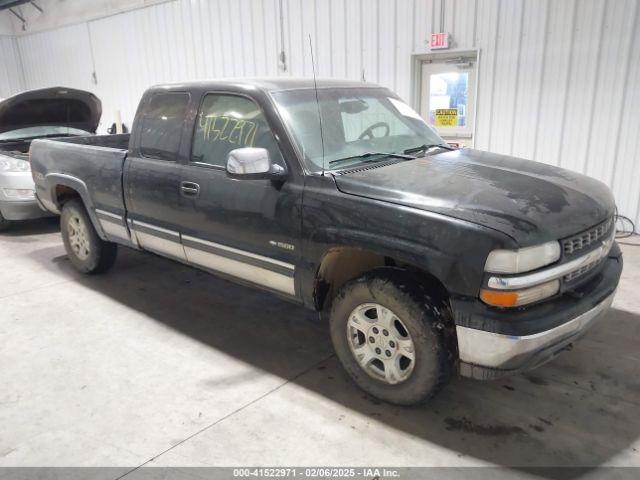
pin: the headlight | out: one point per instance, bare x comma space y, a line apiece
524, 259
14, 165
517, 298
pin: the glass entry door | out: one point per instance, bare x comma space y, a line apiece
447, 97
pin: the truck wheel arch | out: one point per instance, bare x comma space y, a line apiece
63, 194
64, 188
341, 264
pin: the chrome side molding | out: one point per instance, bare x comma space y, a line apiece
113, 225
159, 240
265, 271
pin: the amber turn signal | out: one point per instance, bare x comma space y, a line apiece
499, 299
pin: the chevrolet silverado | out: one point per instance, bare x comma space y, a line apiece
428, 261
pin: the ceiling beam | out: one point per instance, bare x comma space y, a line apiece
20, 17
36, 6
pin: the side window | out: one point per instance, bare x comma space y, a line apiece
162, 122
227, 122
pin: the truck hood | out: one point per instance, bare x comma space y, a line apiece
529, 201
57, 106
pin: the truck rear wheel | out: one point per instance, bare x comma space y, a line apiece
86, 250
393, 337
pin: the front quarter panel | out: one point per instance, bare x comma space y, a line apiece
452, 250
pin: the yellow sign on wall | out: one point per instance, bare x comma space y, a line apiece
446, 117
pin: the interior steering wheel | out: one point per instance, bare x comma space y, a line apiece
368, 133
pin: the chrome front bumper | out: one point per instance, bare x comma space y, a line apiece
486, 355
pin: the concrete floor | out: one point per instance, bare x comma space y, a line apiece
155, 363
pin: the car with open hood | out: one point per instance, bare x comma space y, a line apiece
427, 260
44, 113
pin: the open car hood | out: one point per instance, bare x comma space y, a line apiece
57, 106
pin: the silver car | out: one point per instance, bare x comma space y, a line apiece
49, 112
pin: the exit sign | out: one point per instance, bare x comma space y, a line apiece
439, 41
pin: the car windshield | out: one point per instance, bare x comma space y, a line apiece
358, 125
40, 131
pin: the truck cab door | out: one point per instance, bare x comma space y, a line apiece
153, 173
247, 229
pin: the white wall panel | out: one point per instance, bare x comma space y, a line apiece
558, 80
486, 41
580, 89
530, 76
505, 75
610, 89
557, 57
11, 79
625, 143
404, 39
353, 47
60, 57
6, 25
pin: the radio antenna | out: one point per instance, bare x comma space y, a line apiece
315, 86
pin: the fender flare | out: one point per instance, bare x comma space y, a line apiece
425, 258
421, 256
54, 179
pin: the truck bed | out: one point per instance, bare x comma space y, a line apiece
97, 160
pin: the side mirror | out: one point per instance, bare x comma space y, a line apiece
253, 163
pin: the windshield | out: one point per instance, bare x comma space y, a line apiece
355, 122
37, 132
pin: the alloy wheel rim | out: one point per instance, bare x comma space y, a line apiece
78, 237
381, 343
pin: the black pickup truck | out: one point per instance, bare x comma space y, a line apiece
427, 260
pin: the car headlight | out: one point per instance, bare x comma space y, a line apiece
522, 260
14, 165
517, 298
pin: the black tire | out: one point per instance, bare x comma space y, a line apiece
96, 255
424, 313
4, 224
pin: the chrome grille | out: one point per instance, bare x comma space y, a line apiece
580, 271
582, 240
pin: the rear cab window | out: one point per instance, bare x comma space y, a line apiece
162, 123
226, 122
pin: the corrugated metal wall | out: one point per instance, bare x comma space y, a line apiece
11, 80
558, 80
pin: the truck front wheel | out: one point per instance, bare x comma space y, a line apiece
393, 337
86, 250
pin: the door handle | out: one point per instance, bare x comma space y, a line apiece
190, 189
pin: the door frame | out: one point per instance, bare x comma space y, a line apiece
416, 78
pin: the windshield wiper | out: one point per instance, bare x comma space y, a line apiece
371, 154
426, 147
